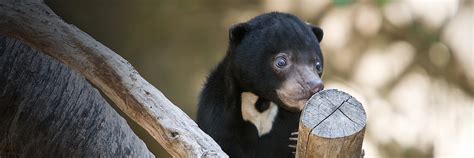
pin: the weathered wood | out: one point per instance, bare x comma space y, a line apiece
47, 110
332, 125
36, 24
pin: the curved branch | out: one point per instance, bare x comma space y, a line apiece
36, 24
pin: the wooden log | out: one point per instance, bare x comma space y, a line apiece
34, 23
332, 125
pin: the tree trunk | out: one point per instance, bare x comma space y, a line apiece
48, 110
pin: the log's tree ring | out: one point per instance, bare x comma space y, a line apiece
333, 114
332, 124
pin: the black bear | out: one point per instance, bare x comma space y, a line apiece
252, 101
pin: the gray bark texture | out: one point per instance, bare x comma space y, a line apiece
48, 110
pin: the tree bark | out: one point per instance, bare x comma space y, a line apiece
47, 110
36, 24
332, 124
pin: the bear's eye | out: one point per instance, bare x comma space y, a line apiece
280, 62
319, 67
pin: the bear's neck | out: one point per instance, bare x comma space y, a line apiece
221, 84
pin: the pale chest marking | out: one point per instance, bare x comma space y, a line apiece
263, 121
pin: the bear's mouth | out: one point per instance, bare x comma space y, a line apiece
296, 90
304, 97
294, 103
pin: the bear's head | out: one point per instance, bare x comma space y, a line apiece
278, 57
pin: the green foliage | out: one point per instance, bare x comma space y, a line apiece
382, 2
341, 3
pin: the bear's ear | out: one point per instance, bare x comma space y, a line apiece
318, 32
237, 33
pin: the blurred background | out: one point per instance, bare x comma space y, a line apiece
410, 62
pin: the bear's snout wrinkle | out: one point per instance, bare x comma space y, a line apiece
313, 82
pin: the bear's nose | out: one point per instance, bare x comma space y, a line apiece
315, 86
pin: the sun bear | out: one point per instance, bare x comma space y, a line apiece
251, 102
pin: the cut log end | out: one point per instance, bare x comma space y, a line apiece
332, 125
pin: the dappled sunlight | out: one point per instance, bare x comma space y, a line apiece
433, 13
398, 14
368, 20
439, 54
410, 109
311, 8
338, 26
459, 35
377, 67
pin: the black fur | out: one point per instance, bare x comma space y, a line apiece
247, 68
